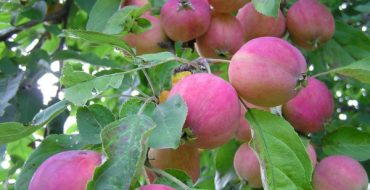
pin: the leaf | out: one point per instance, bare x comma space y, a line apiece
359, 70
71, 77
20, 148
100, 14
100, 38
267, 7
155, 58
132, 107
91, 120
353, 40
12, 131
281, 153
124, 143
170, 118
80, 93
348, 141
49, 113
224, 159
123, 20
86, 57
51, 145
8, 89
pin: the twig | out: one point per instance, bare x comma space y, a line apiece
144, 105
149, 82
209, 60
171, 178
321, 74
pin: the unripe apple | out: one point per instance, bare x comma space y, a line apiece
185, 158
156, 187
213, 109
139, 3
184, 20
266, 71
311, 108
66, 170
255, 24
310, 23
227, 6
148, 41
247, 166
223, 38
339, 173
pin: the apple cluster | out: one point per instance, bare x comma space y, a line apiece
265, 71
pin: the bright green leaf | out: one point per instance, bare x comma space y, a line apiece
282, 155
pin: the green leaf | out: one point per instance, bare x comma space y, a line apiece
86, 57
156, 58
353, 40
12, 131
91, 120
71, 77
100, 38
267, 7
51, 145
124, 143
224, 159
359, 70
170, 118
348, 141
100, 14
8, 89
282, 155
122, 20
132, 107
80, 93
49, 113
20, 148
